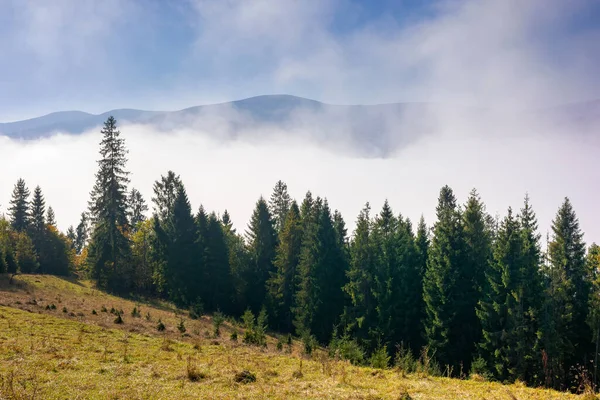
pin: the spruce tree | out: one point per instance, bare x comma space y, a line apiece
444, 284
109, 249
593, 265
137, 208
165, 191
283, 282
262, 241
279, 205
81, 233
570, 286
477, 256
19, 207
38, 229
51, 217
220, 296
360, 315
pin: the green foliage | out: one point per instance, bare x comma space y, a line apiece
160, 326
19, 207
380, 358
135, 313
405, 360
255, 329
346, 348
181, 327
196, 310
217, 320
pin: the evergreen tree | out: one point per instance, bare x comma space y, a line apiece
38, 230
360, 315
72, 236
477, 256
109, 250
262, 242
137, 208
283, 282
19, 207
220, 295
51, 218
444, 286
81, 233
279, 205
593, 265
165, 191
569, 295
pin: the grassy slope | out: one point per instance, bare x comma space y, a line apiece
74, 354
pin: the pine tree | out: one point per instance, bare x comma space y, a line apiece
570, 289
165, 191
443, 286
19, 207
137, 208
279, 205
262, 241
72, 236
360, 315
477, 256
50, 217
220, 296
593, 265
81, 233
283, 282
38, 229
109, 250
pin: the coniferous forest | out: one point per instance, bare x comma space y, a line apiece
471, 294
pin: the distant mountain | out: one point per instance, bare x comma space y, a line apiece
376, 130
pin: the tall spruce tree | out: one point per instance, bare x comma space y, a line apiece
477, 256
570, 289
279, 205
109, 250
38, 229
283, 282
261, 241
82, 233
360, 315
444, 286
19, 207
220, 295
51, 217
593, 265
165, 191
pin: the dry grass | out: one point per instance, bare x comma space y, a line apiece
48, 354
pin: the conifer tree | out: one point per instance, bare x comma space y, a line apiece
72, 236
283, 282
360, 315
477, 256
81, 233
165, 191
19, 207
38, 229
137, 208
593, 265
262, 241
443, 286
570, 289
109, 249
220, 295
279, 205
50, 217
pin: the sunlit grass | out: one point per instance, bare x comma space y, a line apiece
51, 354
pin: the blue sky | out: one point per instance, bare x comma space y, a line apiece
168, 54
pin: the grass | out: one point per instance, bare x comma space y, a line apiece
48, 354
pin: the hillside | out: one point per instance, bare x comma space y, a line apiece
68, 351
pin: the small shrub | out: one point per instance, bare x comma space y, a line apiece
193, 373
48, 307
148, 317
255, 330
135, 313
405, 360
380, 358
280, 343
118, 319
245, 377
233, 336
53, 306
113, 311
94, 312
64, 310
103, 309
346, 349
160, 326
181, 326
217, 321
309, 342
196, 310
479, 370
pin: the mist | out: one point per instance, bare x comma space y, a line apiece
503, 162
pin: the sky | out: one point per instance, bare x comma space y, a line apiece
510, 55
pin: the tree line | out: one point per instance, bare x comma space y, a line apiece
472, 293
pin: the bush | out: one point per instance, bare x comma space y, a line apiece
255, 331
193, 373
217, 321
181, 326
245, 377
118, 319
380, 358
103, 309
404, 360
309, 342
113, 311
479, 368
280, 343
94, 312
148, 317
160, 326
135, 313
233, 336
196, 310
64, 309
346, 349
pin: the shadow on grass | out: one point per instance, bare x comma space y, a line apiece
10, 283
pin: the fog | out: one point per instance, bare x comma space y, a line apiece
502, 163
